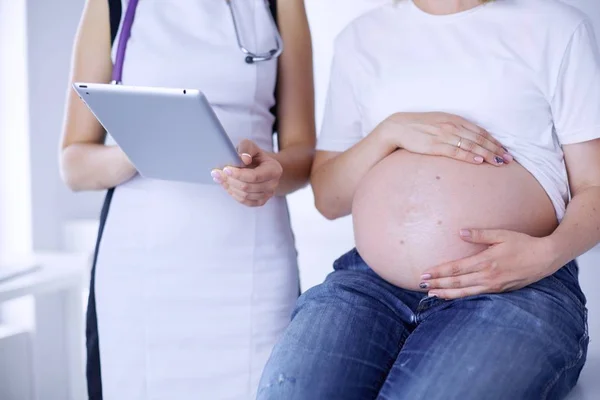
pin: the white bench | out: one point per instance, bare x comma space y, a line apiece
56, 341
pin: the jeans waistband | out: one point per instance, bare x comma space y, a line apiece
568, 275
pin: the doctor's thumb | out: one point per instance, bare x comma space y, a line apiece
247, 150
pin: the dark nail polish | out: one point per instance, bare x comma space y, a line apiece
424, 285
498, 160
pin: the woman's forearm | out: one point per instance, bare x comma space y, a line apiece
579, 230
296, 162
335, 181
89, 166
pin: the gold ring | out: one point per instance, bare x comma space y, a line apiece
459, 143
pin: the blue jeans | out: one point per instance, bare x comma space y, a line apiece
358, 337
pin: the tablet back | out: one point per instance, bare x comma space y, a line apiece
168, 134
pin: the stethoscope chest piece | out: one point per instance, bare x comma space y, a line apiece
254, 57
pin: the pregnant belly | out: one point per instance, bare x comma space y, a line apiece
408, 211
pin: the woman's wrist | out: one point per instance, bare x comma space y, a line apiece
555, 254
386, 138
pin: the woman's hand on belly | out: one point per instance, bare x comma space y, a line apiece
513, 261
441, 134
254, 185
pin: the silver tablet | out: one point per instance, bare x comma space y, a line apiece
168, 134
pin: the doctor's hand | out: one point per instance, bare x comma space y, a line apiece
255, 184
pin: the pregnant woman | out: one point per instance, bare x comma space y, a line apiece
194, 283
463, 138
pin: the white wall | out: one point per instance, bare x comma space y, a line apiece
15, 215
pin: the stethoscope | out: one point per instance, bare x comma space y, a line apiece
250, 58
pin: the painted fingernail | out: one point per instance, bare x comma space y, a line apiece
508, 157
498, 160
424, 277
216, 177
478, 159
431, 294
228, 171
465, 233
424, 285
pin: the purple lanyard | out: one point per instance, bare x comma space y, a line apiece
117, 73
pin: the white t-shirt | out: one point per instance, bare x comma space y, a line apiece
528, 71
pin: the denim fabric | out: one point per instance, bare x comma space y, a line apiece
358, 337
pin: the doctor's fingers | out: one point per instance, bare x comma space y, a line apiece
261, 187
250, 199
268, 169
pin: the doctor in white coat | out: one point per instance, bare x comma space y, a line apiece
193, 283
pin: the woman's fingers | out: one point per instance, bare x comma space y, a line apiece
486, 135
477, 149
476, 141
457, 153
479, 131
480, 137
487, 141
484, 140
461, 122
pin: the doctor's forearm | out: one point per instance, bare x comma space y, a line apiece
296, 162
90, 166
